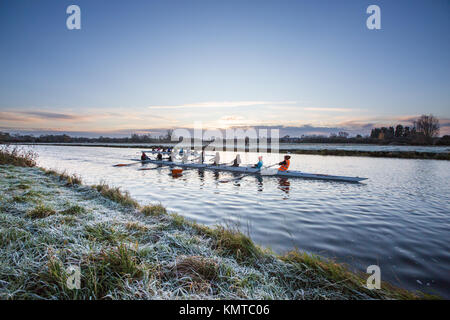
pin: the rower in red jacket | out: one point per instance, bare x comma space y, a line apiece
284, 165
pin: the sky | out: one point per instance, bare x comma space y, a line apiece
310, 67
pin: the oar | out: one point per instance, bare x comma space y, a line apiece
245, 175
273, 165
126, 164
149, 168
165, 166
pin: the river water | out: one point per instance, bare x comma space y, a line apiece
398, 219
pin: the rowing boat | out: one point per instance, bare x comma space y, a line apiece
166, 152
156, 152
251, 170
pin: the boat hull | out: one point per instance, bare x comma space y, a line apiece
250, 170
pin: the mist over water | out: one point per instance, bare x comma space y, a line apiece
398, 219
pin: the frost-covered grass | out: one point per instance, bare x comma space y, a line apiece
126, 251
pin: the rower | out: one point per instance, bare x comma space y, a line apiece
201, 158
259, 164
237, 161
284, 165
144, 157
159, 156
172, 156
185, 158
217, 159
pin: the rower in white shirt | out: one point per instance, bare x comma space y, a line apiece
217, 159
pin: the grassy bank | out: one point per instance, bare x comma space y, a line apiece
50, 221
374, 154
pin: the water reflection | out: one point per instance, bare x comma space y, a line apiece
260, 184
201, 177
284, 185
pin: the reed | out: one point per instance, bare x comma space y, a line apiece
17, 156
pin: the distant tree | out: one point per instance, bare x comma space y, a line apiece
343, 134
169, 134
358, 136
398, 131
66, 138
406, 132
384, 133
444, 141
4, 136
375, 133
390, 133
428, 125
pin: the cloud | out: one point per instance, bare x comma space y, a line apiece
331, 109
30, 116
353, 128
127, 121
51, 115
9, 116
223, 104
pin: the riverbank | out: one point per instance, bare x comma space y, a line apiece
50, 221
374, 154
322, 152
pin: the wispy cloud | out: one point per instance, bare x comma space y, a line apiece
9, 116
223, 104
30, 116
50, 115
306, 119
331, 109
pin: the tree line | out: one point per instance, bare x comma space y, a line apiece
64, 138
423, 131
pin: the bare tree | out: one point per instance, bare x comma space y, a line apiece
428, 125
169, 134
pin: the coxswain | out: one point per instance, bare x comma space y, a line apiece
284, 165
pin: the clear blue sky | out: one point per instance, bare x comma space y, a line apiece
158, 64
